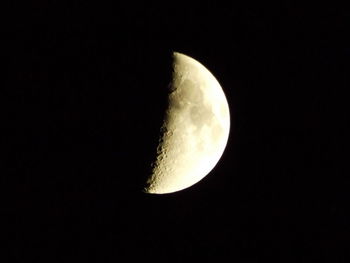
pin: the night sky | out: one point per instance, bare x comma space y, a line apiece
85, 95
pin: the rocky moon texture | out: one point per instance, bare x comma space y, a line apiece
195, 129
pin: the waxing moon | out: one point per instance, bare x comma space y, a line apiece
195, 129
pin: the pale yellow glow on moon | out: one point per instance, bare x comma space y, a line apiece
195, 129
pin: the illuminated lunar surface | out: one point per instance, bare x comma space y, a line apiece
195, 129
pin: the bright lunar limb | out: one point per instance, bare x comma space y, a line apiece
195, 129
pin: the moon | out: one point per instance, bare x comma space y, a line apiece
195, 130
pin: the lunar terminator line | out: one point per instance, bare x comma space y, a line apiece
195, 129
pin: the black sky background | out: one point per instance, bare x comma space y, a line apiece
85, 94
